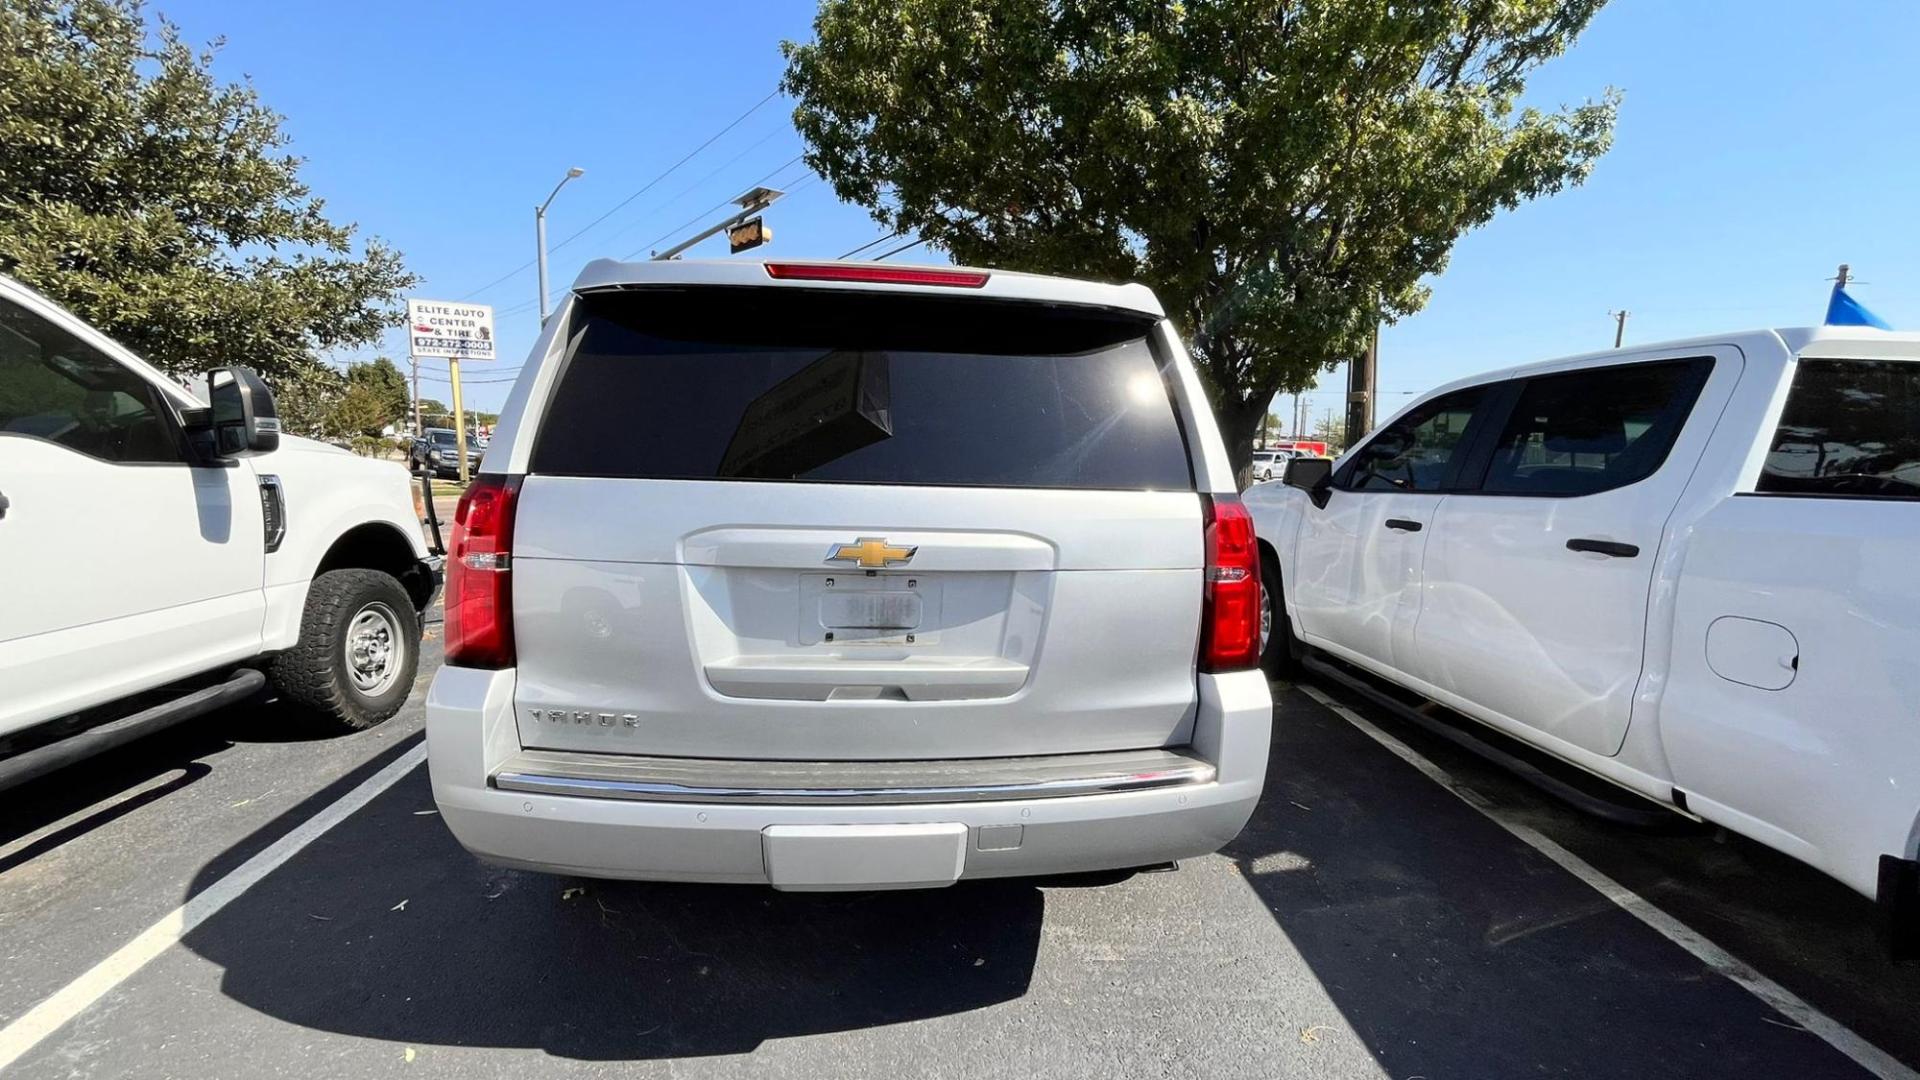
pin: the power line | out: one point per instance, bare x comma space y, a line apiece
684, 192
490, 370
502, 279
467, 382
490, 375
525, 305
648, 186
875, 242
895, 251
721, 205
623, 202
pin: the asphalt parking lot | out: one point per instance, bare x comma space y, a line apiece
1372, 921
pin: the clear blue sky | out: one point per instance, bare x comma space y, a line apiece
1761, 143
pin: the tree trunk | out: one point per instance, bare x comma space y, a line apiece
1239, 423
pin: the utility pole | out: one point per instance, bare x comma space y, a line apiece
540, 254
415, 363
459, 417
1844, 276
1363, 376
1620, 322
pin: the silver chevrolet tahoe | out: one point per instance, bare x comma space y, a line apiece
850, 576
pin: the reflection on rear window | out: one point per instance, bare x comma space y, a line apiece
814, 385
1851, 428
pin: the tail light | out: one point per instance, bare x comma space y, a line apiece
1230, 618
479, 620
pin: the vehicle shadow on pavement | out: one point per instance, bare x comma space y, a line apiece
1454, 949
123, 779
384, 928
38, 805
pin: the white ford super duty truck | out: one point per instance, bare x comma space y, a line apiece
1689, 569
161, 554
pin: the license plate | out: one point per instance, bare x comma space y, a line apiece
849, 610
885, 609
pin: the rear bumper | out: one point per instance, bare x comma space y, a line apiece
471, 736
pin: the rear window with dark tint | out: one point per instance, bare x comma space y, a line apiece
1851, 429
860, 388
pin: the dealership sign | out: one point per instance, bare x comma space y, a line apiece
453, 331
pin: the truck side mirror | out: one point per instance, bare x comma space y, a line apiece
1312, 475
241, 416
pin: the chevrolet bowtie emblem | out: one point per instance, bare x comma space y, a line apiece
871, 552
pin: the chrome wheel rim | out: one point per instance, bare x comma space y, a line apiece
374, 649
1266, 618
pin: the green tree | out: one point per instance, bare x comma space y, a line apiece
1283, 173
1271, 428
360, 411
307, 405
159, 204
387, 386
1331, 430
435, 413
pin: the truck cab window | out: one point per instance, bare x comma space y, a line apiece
1595, 429
1413, 452
54, 386
1851, 429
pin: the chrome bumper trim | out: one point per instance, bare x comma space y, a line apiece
814, 783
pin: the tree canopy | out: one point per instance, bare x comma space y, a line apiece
386, 387
1283, 173
159, 203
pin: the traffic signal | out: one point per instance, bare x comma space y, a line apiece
747, 235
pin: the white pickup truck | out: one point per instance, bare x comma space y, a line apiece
161, 555
1690, 569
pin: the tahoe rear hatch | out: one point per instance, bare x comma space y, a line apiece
813, 524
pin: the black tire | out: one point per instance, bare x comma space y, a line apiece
1280, 659
349, 610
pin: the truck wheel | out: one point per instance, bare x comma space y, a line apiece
1279, 649
358, 652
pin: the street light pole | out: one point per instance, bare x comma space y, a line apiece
540, 236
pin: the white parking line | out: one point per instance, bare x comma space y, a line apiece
1865, 1054
72, 999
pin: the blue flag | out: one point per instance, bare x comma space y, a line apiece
1844, 310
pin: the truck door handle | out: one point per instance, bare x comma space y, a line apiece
4, 504
1403, 525
1604, 547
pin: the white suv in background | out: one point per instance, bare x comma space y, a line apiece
1691, 569
841, 575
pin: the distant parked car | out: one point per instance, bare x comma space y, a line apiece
1690, 569
438, 450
